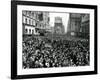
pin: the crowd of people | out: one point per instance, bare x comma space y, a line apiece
45, 52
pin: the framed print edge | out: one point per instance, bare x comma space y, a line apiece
13, 39
14, 74
96, 39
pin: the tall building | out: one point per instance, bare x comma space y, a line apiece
58, 26
85, 23
43, 20
74, 24
78, 25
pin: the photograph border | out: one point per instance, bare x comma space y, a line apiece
14, 39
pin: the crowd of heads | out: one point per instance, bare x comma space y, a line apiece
45, 52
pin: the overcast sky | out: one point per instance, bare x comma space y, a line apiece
64, 16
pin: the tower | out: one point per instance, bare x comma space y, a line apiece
74, 24
58, 26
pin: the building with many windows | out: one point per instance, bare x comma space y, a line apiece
29, 19
33, 21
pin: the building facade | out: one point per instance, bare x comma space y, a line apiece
74, 24
58, 26
78, 25
85, 24
29, 22
33, 21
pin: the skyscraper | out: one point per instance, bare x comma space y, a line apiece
74, 24
58, 26
85, 24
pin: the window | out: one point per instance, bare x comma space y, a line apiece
26, 20
36, 24
28, 13
29, 21
41, 16
36, 30
30, 31
32, 14
26, 30
33, 22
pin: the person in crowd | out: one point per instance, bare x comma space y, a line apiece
44, 52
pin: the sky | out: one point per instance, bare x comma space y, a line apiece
64, 16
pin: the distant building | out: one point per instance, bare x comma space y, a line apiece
58, 26
33, 21
85, 23
78, 25
43, 20
74, 24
